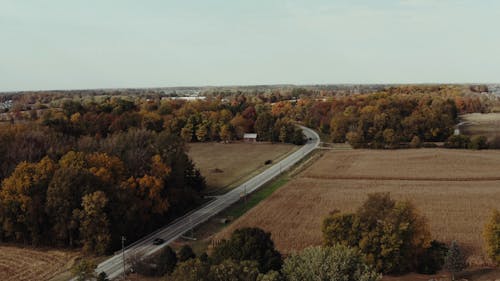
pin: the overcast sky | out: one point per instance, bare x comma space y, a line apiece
61, 44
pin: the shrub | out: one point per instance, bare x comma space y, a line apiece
457, 141
478, 142
328, 263
231, 270
354, 139
186, 253
415, 142
84, 270
166, 261
432, 259
429, 145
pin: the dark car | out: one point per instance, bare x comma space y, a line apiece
158, 241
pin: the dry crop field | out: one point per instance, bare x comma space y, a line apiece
18, 264
233, 161
454, 189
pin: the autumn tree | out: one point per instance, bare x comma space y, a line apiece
187, 133
225, 133
391, 234
492, 237
241, 125
250, 244
94, 224
84, 270
22, 201
64, 195
264, 126
190, 270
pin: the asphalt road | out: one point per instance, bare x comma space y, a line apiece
144, 247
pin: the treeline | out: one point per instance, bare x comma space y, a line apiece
382, 120
194, 121
390, 117
127, 184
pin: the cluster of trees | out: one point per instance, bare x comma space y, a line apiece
382, 120
126, 184
83, 173
215, 120
395, 239
388, 117
194, 121
392, 235
250, 255
380, 117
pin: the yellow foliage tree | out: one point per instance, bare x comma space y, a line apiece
492, 237
22, 199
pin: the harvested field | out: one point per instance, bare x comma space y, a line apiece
454, 189
17, 264
224, 165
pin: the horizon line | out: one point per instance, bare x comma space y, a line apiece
246, 86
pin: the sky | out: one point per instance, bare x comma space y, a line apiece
61, 44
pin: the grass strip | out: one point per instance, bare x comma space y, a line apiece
255, 198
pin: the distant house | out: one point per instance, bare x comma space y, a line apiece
250, 137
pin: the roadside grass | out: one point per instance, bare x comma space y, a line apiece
205, 231
255, 198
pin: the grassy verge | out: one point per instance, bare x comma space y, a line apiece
255, 198
205, 231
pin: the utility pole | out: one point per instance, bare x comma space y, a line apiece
245, 194
191, 226
123, 256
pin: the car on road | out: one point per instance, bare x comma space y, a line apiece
158, 241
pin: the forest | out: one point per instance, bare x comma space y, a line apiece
82, 173
391, 117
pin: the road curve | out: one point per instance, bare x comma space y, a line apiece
144, 246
